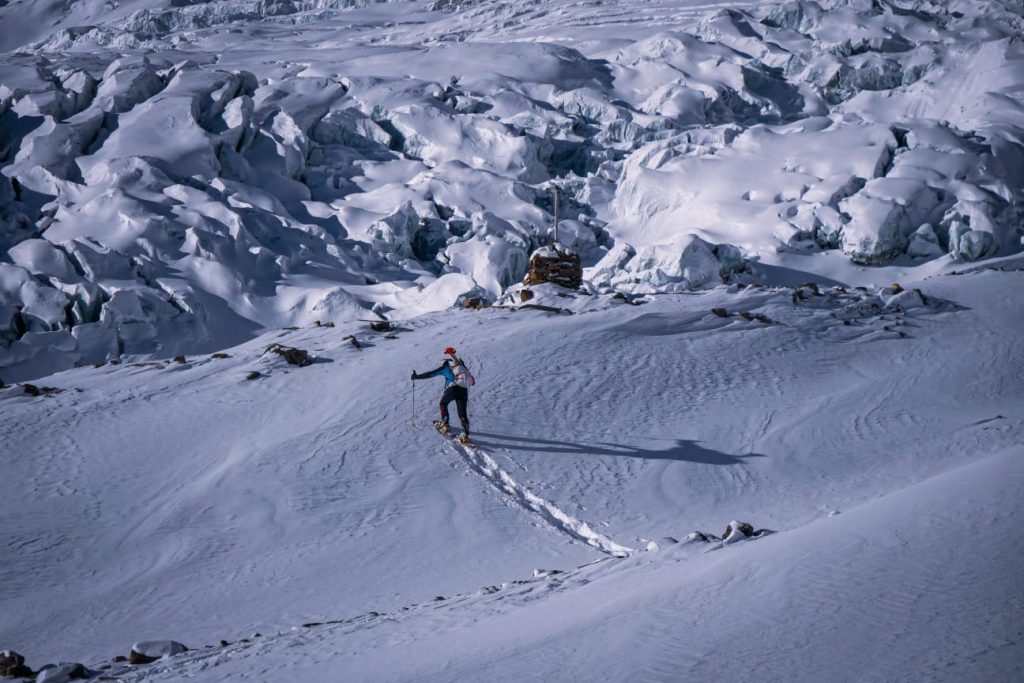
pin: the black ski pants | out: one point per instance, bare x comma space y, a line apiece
461, 397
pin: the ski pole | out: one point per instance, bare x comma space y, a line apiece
414, 403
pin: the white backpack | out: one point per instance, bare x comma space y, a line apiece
463, 377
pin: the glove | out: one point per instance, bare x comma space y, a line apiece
414, 375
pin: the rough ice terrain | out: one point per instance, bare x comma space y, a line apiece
178, 176
745, 182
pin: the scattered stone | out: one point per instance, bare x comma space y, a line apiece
746, 315
114, 361
98, 364
224, 643
380, 326
13, 665
734, 532
326, 324
179, 359
525, 295
353, 341
219, 356
720, 312
244, 640
33, 390
149, 651
61, 673
254, 374
812, 286
120, 658
476, 303
293, 356
439, 598
896, 288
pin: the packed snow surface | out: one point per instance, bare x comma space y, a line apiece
800, 226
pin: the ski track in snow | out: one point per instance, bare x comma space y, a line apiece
484, 465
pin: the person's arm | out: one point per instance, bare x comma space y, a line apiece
432, 373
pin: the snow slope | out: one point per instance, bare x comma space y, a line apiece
745, 183
182, 500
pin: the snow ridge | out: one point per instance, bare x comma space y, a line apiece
484, 465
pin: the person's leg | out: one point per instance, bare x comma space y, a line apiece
447, 397
462, 403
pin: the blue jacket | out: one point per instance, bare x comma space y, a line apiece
444, 371
454, 372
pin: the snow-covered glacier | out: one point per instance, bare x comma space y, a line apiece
177, 176
230, 229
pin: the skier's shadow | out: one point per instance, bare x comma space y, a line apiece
680, 450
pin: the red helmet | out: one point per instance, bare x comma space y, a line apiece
449, 351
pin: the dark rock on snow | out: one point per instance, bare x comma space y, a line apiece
292, 355
151, 650
12, 665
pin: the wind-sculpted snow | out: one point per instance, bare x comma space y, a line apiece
179, 175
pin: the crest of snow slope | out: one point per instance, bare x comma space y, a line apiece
218, 168
180, 500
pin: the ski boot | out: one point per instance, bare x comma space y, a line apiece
464, 440
442, 427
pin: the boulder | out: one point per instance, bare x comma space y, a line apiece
148, 651
742, 528
12, 665
61, 673
293, 356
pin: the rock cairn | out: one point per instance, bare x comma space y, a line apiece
557, 265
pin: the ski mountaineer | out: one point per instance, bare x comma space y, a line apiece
457, 381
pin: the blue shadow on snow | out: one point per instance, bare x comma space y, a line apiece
681, 450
